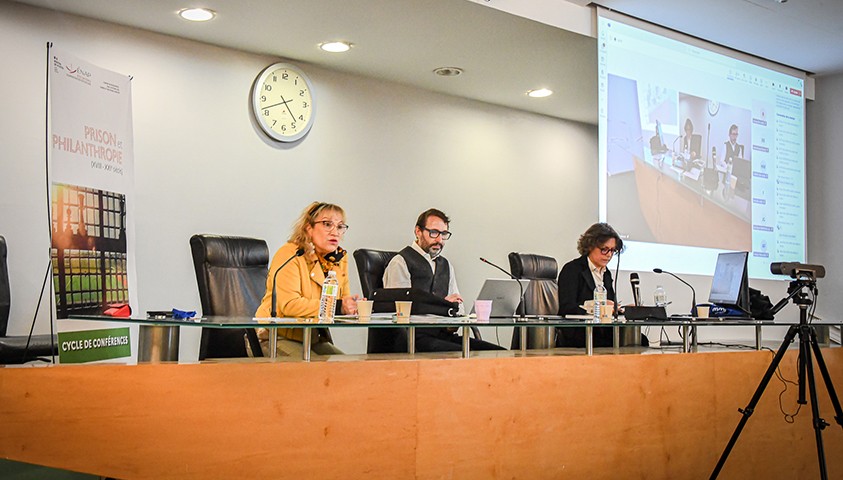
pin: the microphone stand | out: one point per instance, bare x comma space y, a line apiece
520, 286
693, 292
273, 312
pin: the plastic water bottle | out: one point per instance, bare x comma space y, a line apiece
328, 303
599, 302
660, 296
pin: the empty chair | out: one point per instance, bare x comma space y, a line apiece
541, 296
13, 349
231, 276
370, 267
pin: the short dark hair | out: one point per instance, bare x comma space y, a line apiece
597, 235
733, 127
432, 212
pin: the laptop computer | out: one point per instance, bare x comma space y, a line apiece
504, 294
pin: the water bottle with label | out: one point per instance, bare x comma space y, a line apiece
660, 296
599, 302
328, 303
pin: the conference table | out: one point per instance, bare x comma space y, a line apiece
162, 329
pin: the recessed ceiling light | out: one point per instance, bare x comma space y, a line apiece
335, 47
539, 93
197, 14
448, 71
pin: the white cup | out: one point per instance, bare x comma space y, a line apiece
483, 309
364, 310
703, 311
403, 310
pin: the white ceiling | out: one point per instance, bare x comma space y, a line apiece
398, 40
804, 34
503, 55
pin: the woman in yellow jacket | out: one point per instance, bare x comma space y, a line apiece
298, 287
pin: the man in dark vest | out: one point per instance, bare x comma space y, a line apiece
421, 266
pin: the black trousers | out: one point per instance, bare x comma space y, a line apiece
442, 340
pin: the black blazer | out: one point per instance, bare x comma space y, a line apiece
576, 285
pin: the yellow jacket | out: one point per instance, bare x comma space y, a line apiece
298, 288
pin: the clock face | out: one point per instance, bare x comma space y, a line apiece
282, 102
713, 107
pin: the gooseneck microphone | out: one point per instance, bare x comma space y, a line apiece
520, 287
693, 292
273, 312
636, 288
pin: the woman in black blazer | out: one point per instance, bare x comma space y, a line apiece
578, 278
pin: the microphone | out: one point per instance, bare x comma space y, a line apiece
693, 292
273, 312
636, 288
520, 287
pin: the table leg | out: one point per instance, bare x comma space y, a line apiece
411, 340
758, 337
686, 339
305, 354
589, 341
522, 331
694, 343
273, 343
466, 330
616, 337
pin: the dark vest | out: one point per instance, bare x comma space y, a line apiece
422, 277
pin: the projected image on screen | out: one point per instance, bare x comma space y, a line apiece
699, 153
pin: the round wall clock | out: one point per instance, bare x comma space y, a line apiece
283, 103
713, 107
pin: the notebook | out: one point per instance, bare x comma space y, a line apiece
504, 294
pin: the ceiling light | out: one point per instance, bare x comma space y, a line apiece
197, 14
539, 93
335, 47
448, 71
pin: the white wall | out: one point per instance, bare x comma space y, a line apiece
825, 196
511, 181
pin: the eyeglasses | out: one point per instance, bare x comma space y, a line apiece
607, 251
435, 233
329, 226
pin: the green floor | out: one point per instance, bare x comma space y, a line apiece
24, 471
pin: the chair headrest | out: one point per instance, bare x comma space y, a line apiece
532, 266
373, 261
220, 251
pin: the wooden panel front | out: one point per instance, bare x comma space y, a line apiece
638, 416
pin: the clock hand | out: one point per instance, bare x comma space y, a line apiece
279, 103
288, 107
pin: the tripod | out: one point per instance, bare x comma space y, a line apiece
807, 345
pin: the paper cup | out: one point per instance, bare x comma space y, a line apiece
403, 310
483, 309
703, 311
364, 310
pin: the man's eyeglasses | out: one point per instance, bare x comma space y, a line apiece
436, 233
329, 226
607, 251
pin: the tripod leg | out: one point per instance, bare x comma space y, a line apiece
804, 358
819, 423
835, 402
750, 408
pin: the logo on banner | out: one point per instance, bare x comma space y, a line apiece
92, 345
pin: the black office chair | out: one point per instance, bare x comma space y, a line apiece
541, 296
370, 267
231, 276
12, 348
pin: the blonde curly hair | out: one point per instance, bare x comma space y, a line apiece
307, 218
